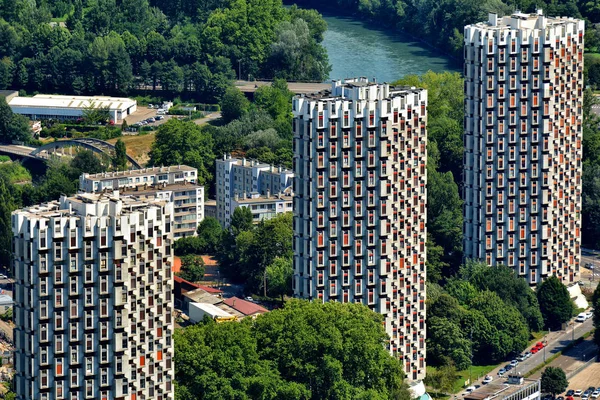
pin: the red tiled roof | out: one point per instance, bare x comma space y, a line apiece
209, 261
245, 307
208, 289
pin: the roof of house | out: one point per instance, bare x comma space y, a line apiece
245, 307
73, 102
209, 289
202, 296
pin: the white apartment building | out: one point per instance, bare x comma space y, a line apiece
360, 205
247, 179
267, 206
177, 184
523, 133
93, 299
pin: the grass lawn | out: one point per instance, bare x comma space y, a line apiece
477, 371
137, 146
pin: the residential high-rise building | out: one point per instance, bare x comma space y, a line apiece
523, 133
93, 299
176, 183
360, 205
249, 183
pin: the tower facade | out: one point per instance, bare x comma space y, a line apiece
360, 205
93, 299
523, 133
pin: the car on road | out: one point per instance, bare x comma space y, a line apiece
589, 314
527, 354
534, 350
501, 372
470, 389
596, 394
2, 276
522, 357
581, 317
508, 367
578, 393
570, 392
514, 363
487, 379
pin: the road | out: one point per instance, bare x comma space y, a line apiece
207, 118
557, 341
296, 87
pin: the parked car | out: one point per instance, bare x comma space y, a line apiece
522, 357
589, 314
581, 317
159, 117
578, 393
560, 398
596, 394
249, 298
487, 379
534, 350
150, 106
150, 120
470, 389
591, 389
586, 394
514, 363
570, 398
501, 372
570, 392
508, 367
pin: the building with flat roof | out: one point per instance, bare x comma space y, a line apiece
175, 183
51, 106
239, 180
93, 306
513, 387
360, 206
523, 144
266, 206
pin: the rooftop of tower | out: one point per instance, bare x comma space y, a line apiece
519, 20
360, 89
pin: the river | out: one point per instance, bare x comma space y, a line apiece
358, 49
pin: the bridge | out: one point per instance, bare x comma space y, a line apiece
46, 151
296, 87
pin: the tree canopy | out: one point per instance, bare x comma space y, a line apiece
306, 350
192, 268
554, 380
555, 303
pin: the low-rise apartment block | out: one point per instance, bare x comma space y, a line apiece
248, 183
177, 184
93, 299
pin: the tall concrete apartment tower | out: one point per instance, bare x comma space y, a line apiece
360, 205
523, 132
93, 299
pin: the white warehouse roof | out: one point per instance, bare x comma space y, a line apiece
72, 102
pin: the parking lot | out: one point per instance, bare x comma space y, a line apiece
586, 378
144, 114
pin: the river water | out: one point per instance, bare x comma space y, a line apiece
357, 49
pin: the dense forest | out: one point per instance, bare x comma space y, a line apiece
193, 48
441, 22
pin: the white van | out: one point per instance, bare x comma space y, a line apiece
161, 111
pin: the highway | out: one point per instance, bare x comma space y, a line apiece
557, 341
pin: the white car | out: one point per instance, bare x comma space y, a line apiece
470, 389
578, 393
487, 379
596, 394
249, 298
581, 317
589, 314
501, 372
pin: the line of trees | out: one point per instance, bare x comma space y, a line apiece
111, 47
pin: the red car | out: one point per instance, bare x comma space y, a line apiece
534, 350
539, 345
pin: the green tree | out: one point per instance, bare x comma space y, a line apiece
555, 303
120, 157
441, 378
209, 234
13, 127
184, 142
192, 268
596, 307
86, 162
447, 344
93, 115
554, 380
279, 277
234, 104
6, 207
241, 220
189, 245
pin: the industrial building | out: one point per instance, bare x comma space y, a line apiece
175, 183
94, 299
523, 144
264, 188
360, 207
58, 107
